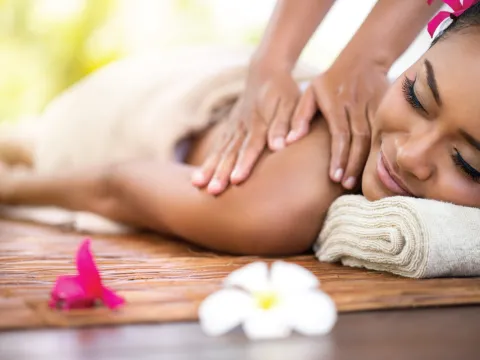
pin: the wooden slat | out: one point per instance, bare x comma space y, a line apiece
164, 280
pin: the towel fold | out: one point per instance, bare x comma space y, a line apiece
410, 237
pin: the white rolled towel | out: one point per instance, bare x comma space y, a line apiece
410, 237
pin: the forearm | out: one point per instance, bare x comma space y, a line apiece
71, 190
93, 190
390, 28
291, 26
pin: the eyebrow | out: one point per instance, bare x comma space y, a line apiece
470, 139
432, 83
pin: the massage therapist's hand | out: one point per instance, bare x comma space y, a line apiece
261, 117
347, 95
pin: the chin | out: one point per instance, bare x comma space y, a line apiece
371, 188
369, 191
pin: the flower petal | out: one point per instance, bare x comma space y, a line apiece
267, 324
223, 310
87, 271
311, 312
288, 277
454, 4
252, 277
111, 299
68, 286
68, 293
436, 21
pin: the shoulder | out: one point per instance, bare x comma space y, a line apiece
299, 176
289, 192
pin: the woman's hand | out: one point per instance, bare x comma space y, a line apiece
261, 116
347, 95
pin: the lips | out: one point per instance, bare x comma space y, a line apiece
389, 179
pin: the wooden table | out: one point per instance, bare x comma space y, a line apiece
438, 333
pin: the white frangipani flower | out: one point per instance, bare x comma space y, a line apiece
269, 303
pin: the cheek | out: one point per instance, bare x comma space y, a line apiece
390, 119
392, 113
454, 187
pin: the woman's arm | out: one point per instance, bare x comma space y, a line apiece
291, 26
279, 211
270, 97
390, 29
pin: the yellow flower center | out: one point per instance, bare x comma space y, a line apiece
266, 299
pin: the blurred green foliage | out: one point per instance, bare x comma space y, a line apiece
47, 45
42, 55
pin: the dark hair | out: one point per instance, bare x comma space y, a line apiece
465, 22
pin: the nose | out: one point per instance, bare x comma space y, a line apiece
414, 155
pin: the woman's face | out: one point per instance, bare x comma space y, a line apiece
426, 132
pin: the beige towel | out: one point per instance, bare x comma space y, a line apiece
141, 106
410, 237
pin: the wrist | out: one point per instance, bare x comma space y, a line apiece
368, 54
263, 61
385, 55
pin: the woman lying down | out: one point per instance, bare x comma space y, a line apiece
106, 147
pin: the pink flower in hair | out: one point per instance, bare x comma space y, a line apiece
85, 289
458, 8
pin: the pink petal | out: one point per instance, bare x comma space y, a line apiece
459, 12
69, 293
68, 286
87, 271
111, 299
436, 21
456, 5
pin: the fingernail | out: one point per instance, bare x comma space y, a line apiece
236, 174
349, 183
214, 185
337, 176
291, 136
278, 143
198, 177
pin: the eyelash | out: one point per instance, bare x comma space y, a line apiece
465, 167
411, 98
409, 93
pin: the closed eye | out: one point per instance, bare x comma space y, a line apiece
408, 87
465, 167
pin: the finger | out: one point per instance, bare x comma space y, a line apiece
281, 124
249, 153
221, 177
359, 148
302, 116
338, 124
337, 118
202, 176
